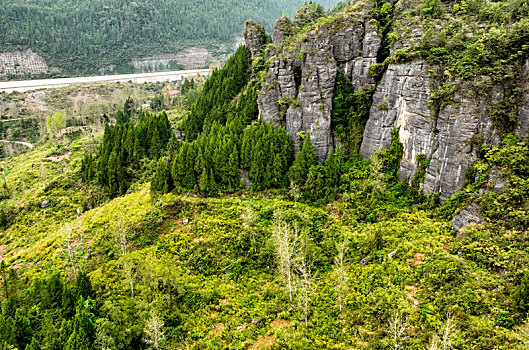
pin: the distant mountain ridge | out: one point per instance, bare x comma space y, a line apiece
84, 37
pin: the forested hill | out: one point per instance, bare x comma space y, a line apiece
81, 36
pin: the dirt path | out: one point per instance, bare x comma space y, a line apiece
12, 120
19, 142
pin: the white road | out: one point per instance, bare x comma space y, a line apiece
28, 85
19, 142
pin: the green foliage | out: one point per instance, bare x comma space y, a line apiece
350, 112
520, 295
308, 14
124, 147
207, 266
422, 164
82, 36
390, 157
305, 159
55, 123
162, 181
222, 86
507, 207
266, 153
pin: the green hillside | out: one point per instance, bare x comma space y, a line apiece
194, 225
85, 36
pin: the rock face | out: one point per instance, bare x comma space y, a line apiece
254, 37
299, 87
282, 30
466, 216
22, 63
401, 101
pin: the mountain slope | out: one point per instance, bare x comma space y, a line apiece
223, 238
87, 36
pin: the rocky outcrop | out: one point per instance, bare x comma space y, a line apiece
307, 14
523, 110
299, 86
401, 101
188, 58
466, 216
254, 37
22, 63
282, 30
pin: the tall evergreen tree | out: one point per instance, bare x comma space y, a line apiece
306, 158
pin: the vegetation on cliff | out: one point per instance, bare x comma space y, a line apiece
223, 238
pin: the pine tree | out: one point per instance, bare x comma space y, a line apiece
299, 170
128, 109
121, 117
78, 340
203, 181
7, 333
84, 286
22, 329
233, 170
162, 181
113, 171
55, 289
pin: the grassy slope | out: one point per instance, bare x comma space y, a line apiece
224, 283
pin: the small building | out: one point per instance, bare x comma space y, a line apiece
174, 93
145, 106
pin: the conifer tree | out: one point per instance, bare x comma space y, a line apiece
7, 334
121, 117
128, 109
22, 329
162, 180
299, 171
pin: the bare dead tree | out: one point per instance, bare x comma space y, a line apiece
295, 192
154, 335
286, 243
69, 246
250, 219
446, 337
83, 251
43, 175
340, 271
306, 285
396, 328
123, 243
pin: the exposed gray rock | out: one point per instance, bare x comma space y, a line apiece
365, 260
392, 254
523, 110
243, 177
401, 100
282, 30
45, 204
254, 37
498, 182
466, 216
305, 78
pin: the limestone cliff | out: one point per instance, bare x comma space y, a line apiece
299, 88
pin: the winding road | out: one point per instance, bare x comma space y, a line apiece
19, 142
28, 85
